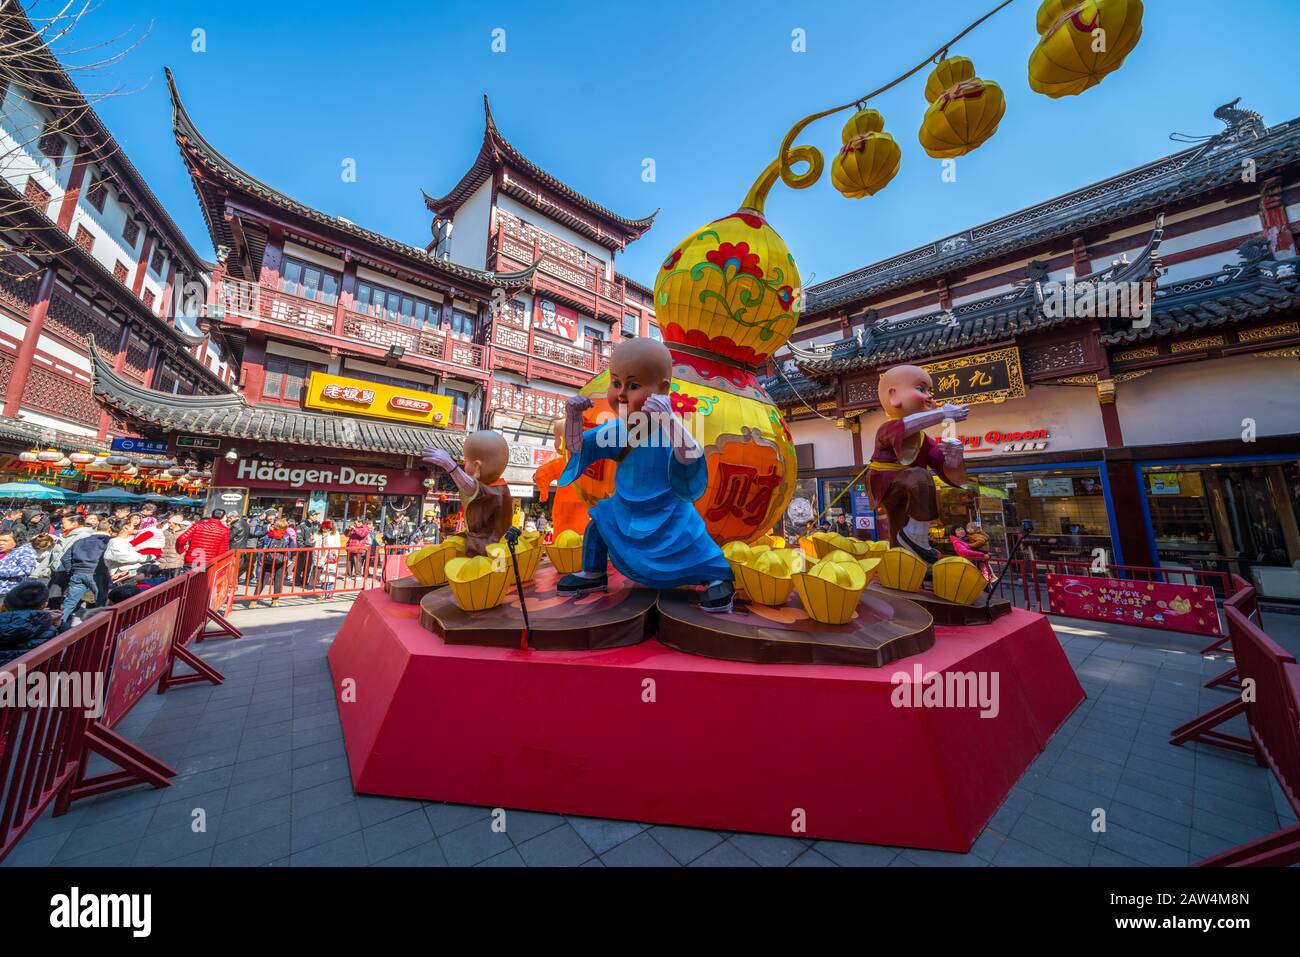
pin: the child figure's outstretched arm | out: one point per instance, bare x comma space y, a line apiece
685, 449
574, 407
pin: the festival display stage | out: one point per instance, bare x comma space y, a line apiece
648, 733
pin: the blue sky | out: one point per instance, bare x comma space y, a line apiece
706, 89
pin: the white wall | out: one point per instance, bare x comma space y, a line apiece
1207, 401
469, 232
832, 447
540, 220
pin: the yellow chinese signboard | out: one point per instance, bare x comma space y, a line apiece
986, 377
378, 399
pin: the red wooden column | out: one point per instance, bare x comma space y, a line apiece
76, 180
1273, 218
119, 363
151, 365
252, 372
1109, 413
137, 283
27, 348
166, 303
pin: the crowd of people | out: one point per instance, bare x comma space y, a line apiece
60, 567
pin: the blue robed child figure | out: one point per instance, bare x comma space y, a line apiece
648, 527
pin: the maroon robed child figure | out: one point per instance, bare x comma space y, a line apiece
904, 455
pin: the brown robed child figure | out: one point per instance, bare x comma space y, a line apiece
903, 456
487, 503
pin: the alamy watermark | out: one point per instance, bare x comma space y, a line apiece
83, 690
1099, 300
948, 689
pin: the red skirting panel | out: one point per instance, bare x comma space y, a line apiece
646, 733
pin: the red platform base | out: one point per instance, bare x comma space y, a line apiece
646, 733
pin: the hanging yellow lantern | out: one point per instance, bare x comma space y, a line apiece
1081, 42
869, 158
964, 110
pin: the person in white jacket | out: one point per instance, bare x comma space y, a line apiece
121, 560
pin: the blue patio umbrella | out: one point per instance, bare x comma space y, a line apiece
112, 495
36, 491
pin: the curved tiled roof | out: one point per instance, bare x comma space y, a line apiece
495, 151
230, 416
206, 162
1142, 190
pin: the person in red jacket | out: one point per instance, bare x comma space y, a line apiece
205, 541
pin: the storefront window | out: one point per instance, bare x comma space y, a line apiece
838, 506
1067, 507
1233, 518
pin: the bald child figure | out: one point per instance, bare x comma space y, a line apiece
488, 507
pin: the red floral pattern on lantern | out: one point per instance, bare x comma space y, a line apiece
671, 261
752, 220
720, 345
737, 254
683, 404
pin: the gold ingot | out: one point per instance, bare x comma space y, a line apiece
830, 591
429, 564
869, 566
808, 546
738, 552
840, 557
769, 587
823, 544
776, 541
566, 553
1068, 58
854, 546
477, 583
901, 569
527, 556
956, 579
880, 546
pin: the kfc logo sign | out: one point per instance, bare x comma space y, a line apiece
348, 393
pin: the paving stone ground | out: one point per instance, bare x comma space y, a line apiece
262, 765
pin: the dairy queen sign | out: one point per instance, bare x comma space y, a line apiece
260, 475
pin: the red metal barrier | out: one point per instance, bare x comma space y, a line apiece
41, 742
266, 574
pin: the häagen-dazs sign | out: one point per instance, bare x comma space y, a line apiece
260, 474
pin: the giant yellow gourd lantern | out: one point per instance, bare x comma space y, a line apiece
726, 298
869, 158
1080, 42
964, 110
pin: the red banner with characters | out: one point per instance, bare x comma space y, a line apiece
140, 657
1186, 608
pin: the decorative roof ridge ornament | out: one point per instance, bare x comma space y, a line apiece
1240, 126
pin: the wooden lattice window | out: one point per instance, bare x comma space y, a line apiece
85, 239
130, 232
96, 195
156, 262
37, 195
148, 298
51, 144
119, 272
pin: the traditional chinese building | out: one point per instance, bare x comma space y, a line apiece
86, 251
1166, 437
359, 349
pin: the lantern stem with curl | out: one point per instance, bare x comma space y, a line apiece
757, 194
790, 154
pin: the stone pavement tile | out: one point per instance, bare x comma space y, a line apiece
1181, 777
47, 824
1149, 824
811, 858
162, 845
254, 792
1163, 753
311, 775
987, 844
685, 844
1264, 819
901, 861
856, 855
601, 835
251, 770
316, 735
185, 787
1117, 650
769, 850
314, 753
207, 762
397, 834
725, 854
1139, 776
557, 847
1177, 812
272, 729
1073, 846
1230, 830
346, 851
253, 850
318, 798
276, 717
96, 837
525, 825
308, 830
1013, 853
1072, 820
1105, 857
105, 807
167, 745
183, 813
473, 843
35, 851
250, 750
200, 858
1083, 777
594, 862
218, 740
445, 818
1140, 847
1005, 817
1208, 845
927, 858
508, 858
375, 809
642, 850
1252, 795
428, 854
1236, 769
1101, 747
325, 720
255, 817
118, 855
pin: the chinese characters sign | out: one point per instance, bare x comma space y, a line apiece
358, 397
140, 656
1186, 608
985, 377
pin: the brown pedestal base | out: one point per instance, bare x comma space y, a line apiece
947, 612
624, 615
408, 590
884, 629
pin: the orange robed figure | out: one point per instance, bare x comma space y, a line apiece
568, 512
